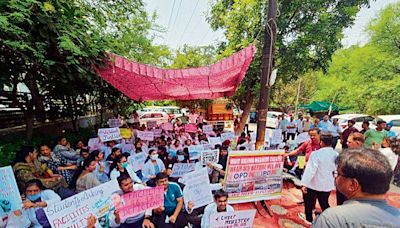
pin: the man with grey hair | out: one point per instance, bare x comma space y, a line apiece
363, 176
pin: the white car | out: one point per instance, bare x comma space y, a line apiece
158, 117
395, 119
272, 119
172, 111
358, 118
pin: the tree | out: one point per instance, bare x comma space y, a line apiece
309, 32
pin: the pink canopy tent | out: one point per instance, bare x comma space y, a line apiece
142, 82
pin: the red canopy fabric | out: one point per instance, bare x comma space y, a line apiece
141, 82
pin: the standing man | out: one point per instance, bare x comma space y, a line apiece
326, 125
220, 205
365, 127
336, 132
299, 123
283, 122
193, 117
362, 175
356, 140
308, 147
291, 128
306, 124
376, 135
346, 133
317, 181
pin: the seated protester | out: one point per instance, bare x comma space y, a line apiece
141, 220
27, 167
84, 154
220, 205
32, 213
138, 146
115, 152
57, 164
107, 149
84, 178
170, 215
79, 146
188, 142
120, 167
177, 145
363, 176
152, 167
64, 150
163, 155
100, 171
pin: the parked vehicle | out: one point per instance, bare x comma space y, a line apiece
273, 119
172, 111
358, 118
394, 119
159, 117
219, 115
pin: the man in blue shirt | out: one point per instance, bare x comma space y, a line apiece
170, 215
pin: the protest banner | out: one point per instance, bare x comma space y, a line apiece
179, 169
9, 194
194, 151
207, 129
211, 156
93, 144
139, 201
254, 175
303, 137
74, 211
207, 146
214, 141
145, 135
191, 128
197, 188
109, 134
126, 133
157, 132
151, 124
114, 123
227, 136
137, 160
276, 137
242, 219
167, 127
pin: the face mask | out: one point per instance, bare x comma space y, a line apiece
34, 197
181, 157
154, 156
124, 165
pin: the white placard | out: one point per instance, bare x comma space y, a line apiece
145, 135
194, 151
211, 156
303, 137
207, 129
151, 124
243, 219
157, 132
93, 144
214, 141
180, 169
197, 188
227, 136
137, 160
276, 136
109, 134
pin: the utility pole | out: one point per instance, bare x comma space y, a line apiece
297, 98
267, 64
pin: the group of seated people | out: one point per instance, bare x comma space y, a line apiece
45, 176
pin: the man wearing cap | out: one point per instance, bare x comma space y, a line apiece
376, 136
346, 133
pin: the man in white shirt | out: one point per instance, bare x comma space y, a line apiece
220, 205
299, 123
318, 181
282, 124
336, 132
291, 128
193, 117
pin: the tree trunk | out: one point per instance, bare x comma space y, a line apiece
29, 119
37, 99
246, 112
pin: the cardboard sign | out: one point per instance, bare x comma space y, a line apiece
303, 137
197, 188
211, 156
109, 134
214, 141
243, 219
145, 135
157, 132
9, 194
207, 129
114, 123
74, 211
227, 136
301, 161
137, 160
151, 124
126, 133
180, 169
167, 127
194, 151
139, 201
276, 137
191, 128
93, 144
254, 175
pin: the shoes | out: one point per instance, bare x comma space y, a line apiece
302, 216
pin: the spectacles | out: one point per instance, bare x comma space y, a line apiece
335, 174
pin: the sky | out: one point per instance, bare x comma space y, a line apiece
185, 23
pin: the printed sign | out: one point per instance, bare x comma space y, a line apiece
227, 136
126, 133
276, 137
145, 135
74, 211
301, 162
93, 144
137, 160
254, 175
9, 194
197, 188
207, 129
191, 128
167, 127
109, 134
194, 151
157, 132
211, 156
151, 124
214, 141
303, 137
179, 169
139, 201
243, 219
114, 123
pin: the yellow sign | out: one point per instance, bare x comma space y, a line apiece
126, 133
301, 160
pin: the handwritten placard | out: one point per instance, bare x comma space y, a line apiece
209, 156
114, 123
109, 134
139, 201
126, 133
74, 211
276, 137
137, 160
227, 136
9, 194
214, 141
207, 129
243, 219
191, 128
207, 146
157, 132
145, 135
167, 127
179, 169
194, 151
93, 144
197, 188
151, 124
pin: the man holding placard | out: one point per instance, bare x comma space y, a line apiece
220, 205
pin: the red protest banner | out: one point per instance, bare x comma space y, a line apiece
191, 128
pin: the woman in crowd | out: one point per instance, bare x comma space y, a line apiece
27, 167
32, 213
120, 167
84, 177
115, 152
177, 145
152, 167
63, 149
100, 171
